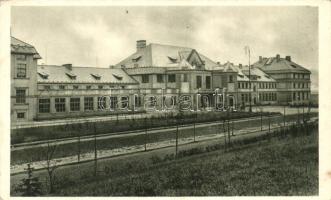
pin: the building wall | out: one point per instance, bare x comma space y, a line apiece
293, 87
29, 84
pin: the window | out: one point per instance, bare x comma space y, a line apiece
294, 96
71, 75
62, 87
60, 104
159, 78
124, 102
242, 97
20, 115
185, 78
172, 78
208, 82
100, 87
238, 85
145, 78
21, 71
88, 103
75, 87
118, 77
113, 102
230, 79
74, 104
21, 57
199, 81
102, 103
47, 87
44, 105
88, 87
96, 76
20, 95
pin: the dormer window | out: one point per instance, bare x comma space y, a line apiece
136, 59
43, 75
71, 75
118, 77
96, 76
173, 60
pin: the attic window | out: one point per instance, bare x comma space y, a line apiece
241, 76
173, 60
43, 75
294, 66
71, 75
96, 76
258, 76
136, 59
118, 77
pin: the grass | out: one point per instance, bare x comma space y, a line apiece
286, 164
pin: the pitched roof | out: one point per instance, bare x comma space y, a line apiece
160, 55
272, 64
61, 74
18, 46
243, 74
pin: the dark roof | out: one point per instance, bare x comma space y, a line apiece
272, 64
61, 74
18, 46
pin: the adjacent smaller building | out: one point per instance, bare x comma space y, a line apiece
66, 91
293, 80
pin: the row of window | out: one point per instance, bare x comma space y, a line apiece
268, 96
300, 85
300, 96
44, 105
300, 76
245, 85
172, 79
160, 78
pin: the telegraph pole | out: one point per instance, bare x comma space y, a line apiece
248, 51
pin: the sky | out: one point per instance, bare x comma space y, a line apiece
103, 36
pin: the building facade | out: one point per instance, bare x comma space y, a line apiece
155, 76
23, 75
293, 80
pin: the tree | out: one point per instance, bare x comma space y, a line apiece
50, 165
30, 186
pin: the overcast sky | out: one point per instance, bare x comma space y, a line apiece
90, 36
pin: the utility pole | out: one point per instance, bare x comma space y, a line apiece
145, 134
177, 139
261, 118
95, 151
248, 51
194, 127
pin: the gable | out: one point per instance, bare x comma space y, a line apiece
195, 60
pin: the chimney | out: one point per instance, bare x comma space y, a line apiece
240, 66
141, 44
277, 57
68, 66
288, 58
260, 59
